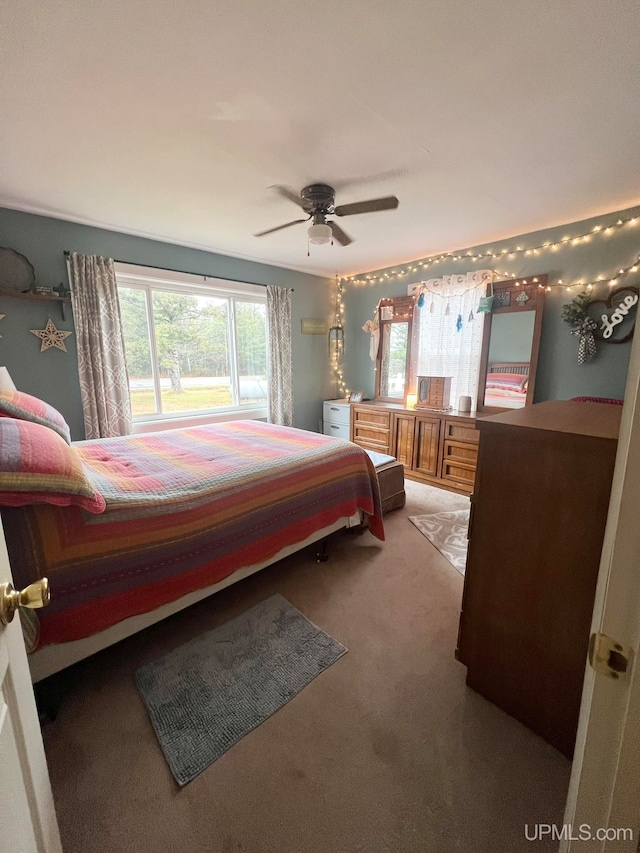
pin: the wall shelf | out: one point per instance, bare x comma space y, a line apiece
63, 300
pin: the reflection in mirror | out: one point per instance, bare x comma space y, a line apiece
393, 363
509, 360
510, 344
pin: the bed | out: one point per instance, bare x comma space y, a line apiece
187, 512
507, 384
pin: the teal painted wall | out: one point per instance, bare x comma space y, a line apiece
559, 377
53, 375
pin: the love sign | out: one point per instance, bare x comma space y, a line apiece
617, 326
609, 323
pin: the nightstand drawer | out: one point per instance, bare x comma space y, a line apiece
336, 412
336, 430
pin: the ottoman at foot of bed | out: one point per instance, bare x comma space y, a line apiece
390, 479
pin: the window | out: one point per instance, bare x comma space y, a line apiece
450, 331
194, 346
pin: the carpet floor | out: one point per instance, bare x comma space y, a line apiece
387, 752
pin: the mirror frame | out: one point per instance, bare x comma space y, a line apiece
535, 287
403, 309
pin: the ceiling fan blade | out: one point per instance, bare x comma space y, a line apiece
347, 183
288, 194
279, 227
390, 202
339, 234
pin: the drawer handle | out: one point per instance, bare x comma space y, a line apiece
334, 408
333, 426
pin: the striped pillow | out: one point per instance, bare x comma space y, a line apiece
17, 404
37, 466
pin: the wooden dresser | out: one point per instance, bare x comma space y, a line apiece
539, 510
435, 448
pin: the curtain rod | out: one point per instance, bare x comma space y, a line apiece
67, 254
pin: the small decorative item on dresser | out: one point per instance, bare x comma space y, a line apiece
464, 404
356, 396
412, 399
433, 392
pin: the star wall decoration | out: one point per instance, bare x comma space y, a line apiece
51, 337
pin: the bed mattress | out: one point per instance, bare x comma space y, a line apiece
185, 509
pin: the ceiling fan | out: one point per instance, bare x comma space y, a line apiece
318, 202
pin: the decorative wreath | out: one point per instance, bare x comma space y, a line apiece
583, 326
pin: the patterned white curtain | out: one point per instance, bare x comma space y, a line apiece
280, 379
104, 385
450, 331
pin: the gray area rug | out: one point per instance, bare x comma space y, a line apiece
207, 694
448, 532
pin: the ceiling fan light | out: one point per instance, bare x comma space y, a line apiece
319, 233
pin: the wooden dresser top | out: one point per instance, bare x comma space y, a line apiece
601, 420
452, 414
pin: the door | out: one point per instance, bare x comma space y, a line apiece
427, 439
605, 778
403, 429
27, 816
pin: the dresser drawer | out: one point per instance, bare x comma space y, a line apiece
461, 431
459, 459
374, 439
461, 475
336, 412
371, 417
336, 430
461, 451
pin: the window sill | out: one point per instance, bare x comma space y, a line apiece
187, 421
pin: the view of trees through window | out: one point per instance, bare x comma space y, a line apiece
195, 357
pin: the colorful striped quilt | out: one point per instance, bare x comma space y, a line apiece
185, 509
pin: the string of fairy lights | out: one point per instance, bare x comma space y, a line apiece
574, 240
335, 352
503, 254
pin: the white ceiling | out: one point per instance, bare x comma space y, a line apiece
172, 119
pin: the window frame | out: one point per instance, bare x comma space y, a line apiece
150, 280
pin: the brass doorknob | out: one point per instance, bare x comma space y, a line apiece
33, 596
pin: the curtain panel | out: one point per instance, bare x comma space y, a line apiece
280, 360
450, 331
102, 367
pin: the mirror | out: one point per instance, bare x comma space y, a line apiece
510, 345
394, 351
395, 337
